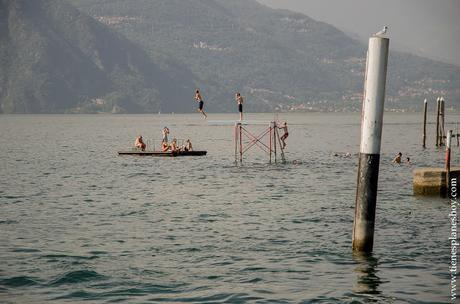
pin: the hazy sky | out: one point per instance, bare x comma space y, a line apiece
427, 27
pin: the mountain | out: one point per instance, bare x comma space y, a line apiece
149, 56
278, 59
54, 59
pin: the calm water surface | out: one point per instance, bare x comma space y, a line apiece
80, 224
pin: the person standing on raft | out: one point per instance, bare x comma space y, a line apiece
165, 132
239, 100
188, 146
199, 99
285, 135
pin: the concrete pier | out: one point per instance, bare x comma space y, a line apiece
432, 181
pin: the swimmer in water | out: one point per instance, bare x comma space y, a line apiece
397, 159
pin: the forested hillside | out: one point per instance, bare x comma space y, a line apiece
145, 56
55, 59
277, 58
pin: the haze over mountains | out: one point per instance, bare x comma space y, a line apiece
54, 59
150, 55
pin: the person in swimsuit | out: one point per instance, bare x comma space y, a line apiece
188, 145
139, 143
199, 99
165, 132
239, 100
397, 159
173, 145
285, 135
164, 146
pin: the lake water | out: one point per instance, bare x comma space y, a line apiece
79, 223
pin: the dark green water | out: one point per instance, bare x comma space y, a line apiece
80, 224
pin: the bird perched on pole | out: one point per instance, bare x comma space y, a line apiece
382, 32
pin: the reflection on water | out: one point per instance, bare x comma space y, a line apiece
367, 280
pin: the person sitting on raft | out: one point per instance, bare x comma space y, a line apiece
139, 143
188, 146
173, 146
164, 146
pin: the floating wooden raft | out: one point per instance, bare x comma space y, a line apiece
163, 154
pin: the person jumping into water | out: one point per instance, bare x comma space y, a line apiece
285, 135
199, 99
239, 100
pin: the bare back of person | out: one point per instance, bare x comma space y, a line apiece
200, 101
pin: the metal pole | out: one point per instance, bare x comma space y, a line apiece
281, 147
270, 144
371, 134
236, 142
241, 142
274, 141
438, 107
425, 105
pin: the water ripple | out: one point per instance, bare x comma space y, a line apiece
93, 227
75, 277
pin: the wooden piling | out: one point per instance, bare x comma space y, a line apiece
456, 134
442, 123
438, 109
371, 134
425, 105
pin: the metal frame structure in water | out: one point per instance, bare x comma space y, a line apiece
272, 147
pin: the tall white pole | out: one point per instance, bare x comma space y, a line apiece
448, 153
371, 135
